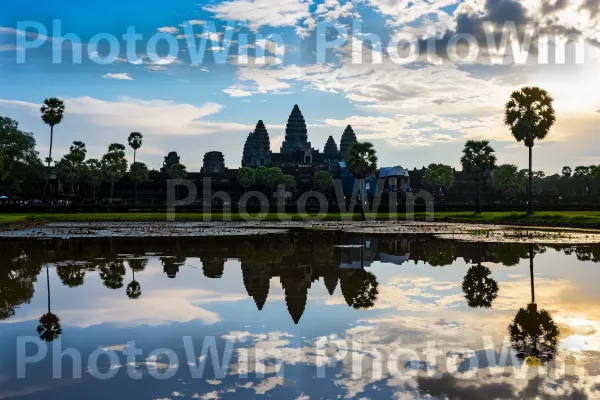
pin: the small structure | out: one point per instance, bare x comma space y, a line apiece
396, 178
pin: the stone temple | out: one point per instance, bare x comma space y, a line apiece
295, 150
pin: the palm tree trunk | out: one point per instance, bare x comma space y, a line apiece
112, 190
48, 283
48, 168
362, 252
530, 194
531, 273
362, 200
134, 152
478, 201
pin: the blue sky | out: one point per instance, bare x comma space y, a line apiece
415, 113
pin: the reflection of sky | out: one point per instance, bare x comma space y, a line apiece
417, 304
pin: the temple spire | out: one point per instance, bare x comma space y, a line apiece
296, 134
331, 150
348, 139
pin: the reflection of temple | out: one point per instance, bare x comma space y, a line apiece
297, 260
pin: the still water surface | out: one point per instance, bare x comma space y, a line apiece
299, 316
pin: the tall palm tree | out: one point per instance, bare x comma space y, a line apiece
361, 161
49, 328
53, 111
478, 161
135, 142
530, 115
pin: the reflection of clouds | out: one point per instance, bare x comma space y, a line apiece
162, 307
412, 294
432, 312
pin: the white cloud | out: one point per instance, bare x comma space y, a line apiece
121, 76
236, 92
168, 29
262, 12
153, 117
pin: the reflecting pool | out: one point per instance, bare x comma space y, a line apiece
302, 315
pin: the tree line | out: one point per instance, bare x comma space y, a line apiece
529, 115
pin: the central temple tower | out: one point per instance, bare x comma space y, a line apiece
296, 134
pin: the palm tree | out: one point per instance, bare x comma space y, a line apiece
135, 142
362, 162
49, 328
478, 161
53, 111
530, 115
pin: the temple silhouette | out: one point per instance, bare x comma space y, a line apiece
296, 149
299, 262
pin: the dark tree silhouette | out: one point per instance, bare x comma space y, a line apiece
49, 328
112, 274
135, 141
439, 254
530, 114
134, 289
534, 335
366, 295
479, 288
53, 111
478, 161
16, 285
362, 162
533, 332
71, 275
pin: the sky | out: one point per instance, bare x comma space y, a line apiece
416, 112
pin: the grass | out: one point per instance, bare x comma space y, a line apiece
546, 218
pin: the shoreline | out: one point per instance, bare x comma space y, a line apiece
468, 231
564, 221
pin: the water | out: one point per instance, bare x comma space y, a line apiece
306, 315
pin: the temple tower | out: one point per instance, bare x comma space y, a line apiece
331, 151
257, 150
348, 139
296, 134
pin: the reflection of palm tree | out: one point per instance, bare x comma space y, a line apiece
49, 327
71, 275
366, 295
134, 289
479, 288
112, 274
533, 333
359, 288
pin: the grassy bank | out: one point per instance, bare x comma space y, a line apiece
589, 219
